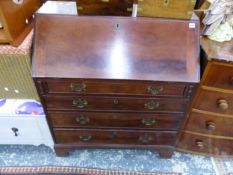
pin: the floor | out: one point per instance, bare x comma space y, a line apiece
135, 160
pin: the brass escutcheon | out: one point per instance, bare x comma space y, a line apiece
78, 87
80, 103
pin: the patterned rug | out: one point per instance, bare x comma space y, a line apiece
68, 170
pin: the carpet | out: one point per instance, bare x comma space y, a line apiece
129, 160
68, 170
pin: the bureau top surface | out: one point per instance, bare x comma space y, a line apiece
116, 48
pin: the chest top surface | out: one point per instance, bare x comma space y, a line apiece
218, 50
116, 48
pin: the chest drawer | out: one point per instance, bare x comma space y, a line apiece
210, 124
217, 102
84, 136
104, 7
220, 75
114, 120
115, 103
166, 8
202, 144
17, 129
71, 86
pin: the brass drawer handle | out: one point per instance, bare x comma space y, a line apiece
115, 101
154, 90
200, 144
222, 104
148, 121
145, 139
113, 135
210, 125
151, 105
82, 120
85, 138
80, 8
80, 103
106, 1
78, 87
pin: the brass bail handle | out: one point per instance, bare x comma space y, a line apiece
82, 120
78, 87
145, 139
85, 138
154, 90
148, 121
80, 103
151, 105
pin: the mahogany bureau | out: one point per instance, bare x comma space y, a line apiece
115, 82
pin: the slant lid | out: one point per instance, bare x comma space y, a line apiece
116, 48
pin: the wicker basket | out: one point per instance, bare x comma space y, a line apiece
15, 71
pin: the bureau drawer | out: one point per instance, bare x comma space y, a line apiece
114, 120
115, 103
94, 136
219, 76
210, 124
202, 144
216, 102
69, 86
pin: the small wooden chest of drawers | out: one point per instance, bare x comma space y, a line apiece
109, 82
208, 128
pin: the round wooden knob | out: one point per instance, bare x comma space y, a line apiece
200, 144
210, 125
222, 104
